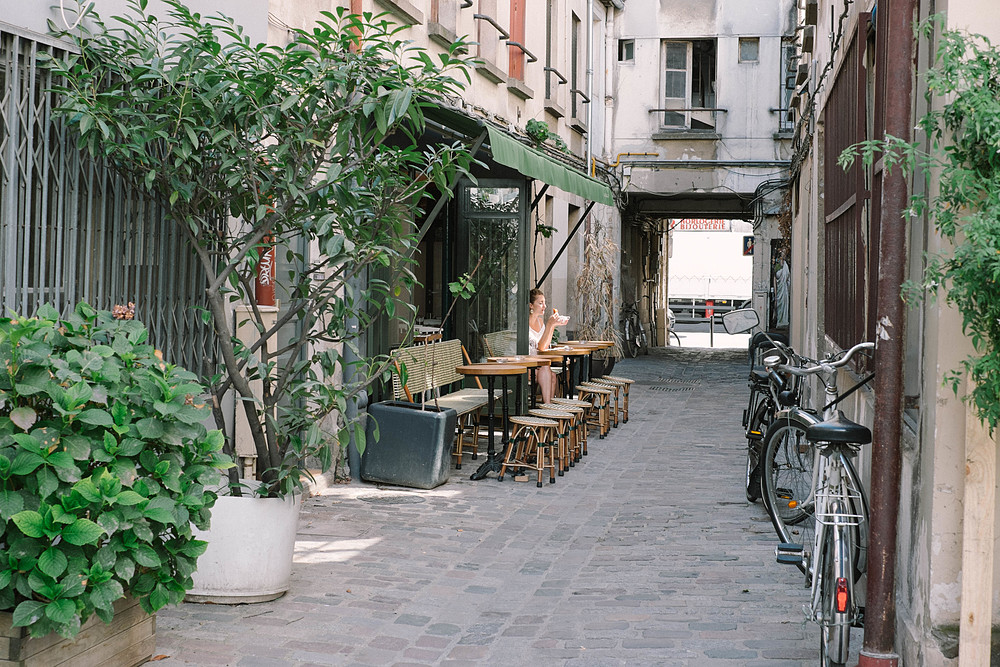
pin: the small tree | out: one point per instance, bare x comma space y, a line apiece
312, 149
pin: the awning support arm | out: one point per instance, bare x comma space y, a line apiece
445, 196
538, 197
590, 205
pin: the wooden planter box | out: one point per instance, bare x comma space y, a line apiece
127, 641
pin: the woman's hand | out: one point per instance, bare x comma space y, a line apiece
557, 320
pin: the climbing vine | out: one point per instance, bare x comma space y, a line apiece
964, 155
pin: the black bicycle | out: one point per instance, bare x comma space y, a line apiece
769, 392
633, 335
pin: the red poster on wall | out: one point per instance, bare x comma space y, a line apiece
264, 284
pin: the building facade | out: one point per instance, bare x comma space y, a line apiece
841, 221
700, 127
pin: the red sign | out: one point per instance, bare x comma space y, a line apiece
264, 288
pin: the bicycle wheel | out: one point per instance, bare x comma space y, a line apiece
786, 477
676, 337
643, 340
628, 337
837, 607
756, 428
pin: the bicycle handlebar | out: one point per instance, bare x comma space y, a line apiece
825, 365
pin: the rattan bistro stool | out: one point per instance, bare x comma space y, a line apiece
580, 410
626, 384
579, 426
531, 442
468, 437
564, 434
600, 413
615, 396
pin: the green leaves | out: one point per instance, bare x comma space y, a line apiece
80, 511
30, 523
82, 531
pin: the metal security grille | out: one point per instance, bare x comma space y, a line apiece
845, 250
71, 231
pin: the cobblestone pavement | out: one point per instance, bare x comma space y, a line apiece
645, 553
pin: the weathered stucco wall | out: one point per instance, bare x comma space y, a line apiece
929, 543
747, 92
33, 16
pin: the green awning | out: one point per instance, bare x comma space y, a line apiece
536, 164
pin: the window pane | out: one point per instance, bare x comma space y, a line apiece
671, 119
675, 85
749, 49
626, 49
676, 55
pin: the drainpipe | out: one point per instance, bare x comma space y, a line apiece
880, 613
590, 84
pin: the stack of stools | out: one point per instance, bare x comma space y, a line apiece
600, 401
532, 444
624, 384
564, 433
579, 411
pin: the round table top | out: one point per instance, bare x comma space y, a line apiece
492, 369
565, 351
531, 361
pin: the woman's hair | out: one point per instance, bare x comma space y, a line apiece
534, 294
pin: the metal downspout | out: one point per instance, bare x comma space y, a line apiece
880, 612
590, 84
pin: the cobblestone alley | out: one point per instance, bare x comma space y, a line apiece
645, 553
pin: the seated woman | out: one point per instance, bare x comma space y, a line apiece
540, 338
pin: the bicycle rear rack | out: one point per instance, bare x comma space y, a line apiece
849, 498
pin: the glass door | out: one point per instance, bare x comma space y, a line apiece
493, 243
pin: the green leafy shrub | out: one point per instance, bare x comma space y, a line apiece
104, 462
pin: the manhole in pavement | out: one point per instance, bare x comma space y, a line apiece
392, 500
662, 388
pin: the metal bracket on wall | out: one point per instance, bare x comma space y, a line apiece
504, 35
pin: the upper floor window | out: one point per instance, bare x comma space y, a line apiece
515, 56
576, 54
789, 60
749, 49
689, 84
626, 50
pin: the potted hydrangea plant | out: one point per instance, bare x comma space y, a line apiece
105, 467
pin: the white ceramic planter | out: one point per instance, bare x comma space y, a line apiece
251, 542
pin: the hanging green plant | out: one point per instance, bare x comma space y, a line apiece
539, 132
964, 156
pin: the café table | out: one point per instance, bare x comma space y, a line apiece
532, 361
491, 371
592, 346
569, 356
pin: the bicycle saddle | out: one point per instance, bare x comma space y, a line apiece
839, 429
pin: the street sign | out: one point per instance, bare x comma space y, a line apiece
747, 245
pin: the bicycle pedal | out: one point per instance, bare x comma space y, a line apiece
788, 553
788, 559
